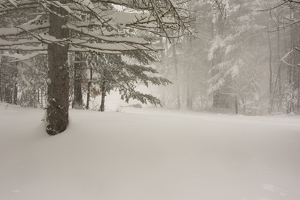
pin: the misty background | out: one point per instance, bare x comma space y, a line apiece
240, 57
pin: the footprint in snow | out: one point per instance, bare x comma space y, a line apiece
273, 188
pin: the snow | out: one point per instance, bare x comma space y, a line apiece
19, 42
23, 28
112, 46
86, 3
149, 154
13, 2
95, 34
173, 4
20, 57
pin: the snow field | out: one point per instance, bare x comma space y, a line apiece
149, 154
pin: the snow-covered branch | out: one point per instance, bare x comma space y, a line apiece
19, 57
4, 32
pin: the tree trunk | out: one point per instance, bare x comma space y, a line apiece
103, 94
188, 89
163, 58
89, 89
236, 104
270, 71
8, 96
58, 75
279, 81
0, 80
42, 104
177, 76
15, 94
38, 96
77, 102
221, 97
293, 71
296, 80
15, 88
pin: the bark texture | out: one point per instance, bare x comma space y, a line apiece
177, 75
103, 94
58, 76
89, 89
77, 102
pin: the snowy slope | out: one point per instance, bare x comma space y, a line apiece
149, 154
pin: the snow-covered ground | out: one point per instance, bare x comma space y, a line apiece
149, 154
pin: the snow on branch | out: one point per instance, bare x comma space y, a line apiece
95, 34
286, 55
65, 7
19, 57
133, 4
75, 49
4, 32
13, 2
85, 3
6, 8
160, 18
158, 12
112, 47
5, 43
25, 48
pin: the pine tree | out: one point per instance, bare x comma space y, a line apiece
114, 72
233, 31
59, 25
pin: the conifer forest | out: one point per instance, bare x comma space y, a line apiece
149, 99
227, 56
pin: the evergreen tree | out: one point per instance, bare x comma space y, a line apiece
32, 81
60, 26
113, 72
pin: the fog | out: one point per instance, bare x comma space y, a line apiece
149, 100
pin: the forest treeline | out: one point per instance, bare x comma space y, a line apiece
238, 56
243, 58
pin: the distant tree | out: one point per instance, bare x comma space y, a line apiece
77, 81
8, 81
224, 67
32, 81
284, 42
234, 32
112, 71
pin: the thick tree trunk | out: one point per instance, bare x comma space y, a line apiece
1, 80
58, 76
77, 102
1, 95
